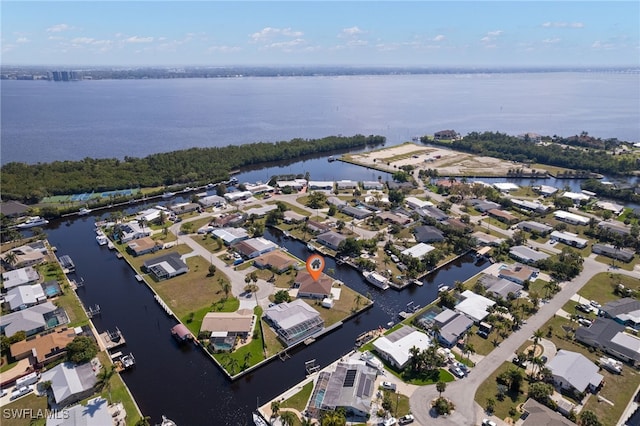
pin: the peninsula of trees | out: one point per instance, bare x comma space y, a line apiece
31, 182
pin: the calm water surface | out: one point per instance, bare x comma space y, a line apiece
46, 121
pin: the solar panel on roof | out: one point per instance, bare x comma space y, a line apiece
349, 378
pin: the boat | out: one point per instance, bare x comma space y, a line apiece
443, 289
111, 245
376, 279
330, 159
258, 420
286, 234
168, 194
310, 247
128, 361
33, 221
83, 211
139, 278
418, 283
102, 240
167, 422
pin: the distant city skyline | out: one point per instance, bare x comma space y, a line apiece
296, 33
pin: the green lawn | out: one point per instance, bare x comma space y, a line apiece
300, 399
29, 402
601, 286
489, 389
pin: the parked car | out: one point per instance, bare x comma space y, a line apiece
483, 334
406, 419
388, 386
456, 372
544, 359
20, 392
584, 308
487, 422
596, 304
390, 421
585, 322
519, 362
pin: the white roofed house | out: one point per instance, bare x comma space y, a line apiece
350, 387
526, 254
331, 239
576, 197
166, 266
416, 203
294, 321
569, 239
259, 188
573, 219
346, 184
296, 184
372, 184
237, 196
574, 371
70, 383
212, 201
132, 230
419, 250
289, 216
23, 276
28, 254
260, 211
230, 235
474, 306
395, 347
24, 296
254, 247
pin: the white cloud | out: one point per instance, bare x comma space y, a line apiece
82, 40
603, 45
439, 37
224, 49
551, 40
22, 40
268, 34
136, 39
491, 37
59, 28
494, 33
351, 32
563, 25
55, 38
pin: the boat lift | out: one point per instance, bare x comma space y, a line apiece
311, 367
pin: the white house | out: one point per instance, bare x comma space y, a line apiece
395, 346
418, 250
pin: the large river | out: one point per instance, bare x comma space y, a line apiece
45, 121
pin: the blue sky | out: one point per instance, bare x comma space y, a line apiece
359, 33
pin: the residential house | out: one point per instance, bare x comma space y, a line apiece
474, 306
610, 337
612, 207
532, 206
538, 414
166, 266
484, 206
13, 208
259, 188
526, 254
569, 238
395, 347
574, 371
372, 184
260, 211
275, 260
349, 387
212, 201
571, 218
500, 287
230, 235
24, 296
537, 227
458, 225
399, 185
452, 327
45, 347
132, 231
28, 255
254, 247
576, 197
432, 212
395, 218
228, 220
331, 239
416, 203
335, 201
70, 383
33, 320
545, 190
234, 196
502, 216
519, 273
312, 289
143, 246
505, 187
289, 216
229, 324
316, 185
355, 212
346, 184
428, 234
183, 208
94, 413
625, 311
625, 255
418, 251
294, 321
150, 215
23, 276
296, 184
486, 239
316, 227
615, 227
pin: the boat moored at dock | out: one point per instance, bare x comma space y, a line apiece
33, 221
376, 279
102, 240
84, 211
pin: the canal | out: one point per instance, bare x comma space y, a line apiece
182, 382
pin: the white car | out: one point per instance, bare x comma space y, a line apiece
596, 304
406, 419
390, 421
457, 372
487, 422
388, 386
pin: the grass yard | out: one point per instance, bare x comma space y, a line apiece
71, 304
29, 402
627, 266
300, 399
271, 342
117, 392
601, 286
247, 355
489, 390
343, 307
291, 207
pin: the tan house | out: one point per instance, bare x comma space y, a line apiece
45, 348
142, 246
310, 288
276, 260
220, 324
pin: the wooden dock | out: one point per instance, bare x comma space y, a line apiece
112, 339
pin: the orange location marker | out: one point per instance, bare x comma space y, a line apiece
315, 265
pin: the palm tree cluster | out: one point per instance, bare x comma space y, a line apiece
424, 363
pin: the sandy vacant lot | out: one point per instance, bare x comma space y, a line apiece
447, 162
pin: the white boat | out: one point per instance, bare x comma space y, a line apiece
33, 221
168, 194
128, 361
310, 247
139, 278
167, 422
258, 420
111, 245
443, 289
376, 279
102, 240
83, 211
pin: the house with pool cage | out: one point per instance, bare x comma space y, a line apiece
294, 321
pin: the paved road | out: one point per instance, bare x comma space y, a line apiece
462, 392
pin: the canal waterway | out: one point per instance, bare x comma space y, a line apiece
182, 382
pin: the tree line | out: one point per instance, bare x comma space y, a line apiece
31, 182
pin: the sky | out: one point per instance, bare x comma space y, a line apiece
307, 33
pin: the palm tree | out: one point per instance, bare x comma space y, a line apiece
246, 359
537, 335
275, 408
287, 418
10, 258
226, 288
333, 418
469, 349
104, 379
440, 387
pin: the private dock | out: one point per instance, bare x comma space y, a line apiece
112, 339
